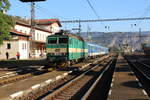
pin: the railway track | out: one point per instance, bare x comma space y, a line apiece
23, 74
78, 88
17, 76
142, 72
49, 86
144, 68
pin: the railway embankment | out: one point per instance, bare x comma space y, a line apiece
21, 63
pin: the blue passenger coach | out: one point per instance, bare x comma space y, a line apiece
95, 50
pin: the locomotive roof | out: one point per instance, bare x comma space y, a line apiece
69, 35
94, 44
75, 36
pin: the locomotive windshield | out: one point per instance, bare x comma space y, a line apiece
57, 40
63, 40
52, 41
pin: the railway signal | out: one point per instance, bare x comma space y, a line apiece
31, 0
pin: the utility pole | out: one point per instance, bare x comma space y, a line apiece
79, 31
32, 20
32, 30
89, 34
140, 41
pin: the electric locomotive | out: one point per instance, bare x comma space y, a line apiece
64, 48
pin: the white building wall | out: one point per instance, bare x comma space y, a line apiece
22, 29
54, 27
23, 49
41, 35
16, 46
12, 51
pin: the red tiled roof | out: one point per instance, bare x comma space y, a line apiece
20, 33
47, 21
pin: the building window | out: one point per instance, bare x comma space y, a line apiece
37, 36
40, 36
43, 37
22, 45
8, 46
25, 46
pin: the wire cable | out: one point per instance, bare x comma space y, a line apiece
89, 3
47, 11
93, 9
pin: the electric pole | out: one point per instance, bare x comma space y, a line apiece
89, 34
140, 42
32, 20
79, 31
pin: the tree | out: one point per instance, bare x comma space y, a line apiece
6, 21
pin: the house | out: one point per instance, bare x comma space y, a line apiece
52, 25
27, 44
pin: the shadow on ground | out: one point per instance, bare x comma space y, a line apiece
131, 84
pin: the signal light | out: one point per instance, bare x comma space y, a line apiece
31, 0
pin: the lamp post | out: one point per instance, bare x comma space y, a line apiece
132, 43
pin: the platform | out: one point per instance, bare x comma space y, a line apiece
124, 85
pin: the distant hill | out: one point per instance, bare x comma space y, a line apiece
116, 39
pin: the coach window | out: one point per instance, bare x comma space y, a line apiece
63, 40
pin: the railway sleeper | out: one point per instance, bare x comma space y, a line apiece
14, 79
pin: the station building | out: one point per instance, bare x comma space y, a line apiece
27, 44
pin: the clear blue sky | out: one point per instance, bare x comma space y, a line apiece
79, 9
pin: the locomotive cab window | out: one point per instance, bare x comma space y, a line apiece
63, 40
52, 41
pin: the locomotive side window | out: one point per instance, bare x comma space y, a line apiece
52, 41
63, 40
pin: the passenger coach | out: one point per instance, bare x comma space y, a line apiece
95, 50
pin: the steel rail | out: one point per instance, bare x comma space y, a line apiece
135, 66
142, 71
95, 83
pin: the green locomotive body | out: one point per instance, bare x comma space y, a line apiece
65, 48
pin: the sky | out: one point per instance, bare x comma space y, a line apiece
80, 10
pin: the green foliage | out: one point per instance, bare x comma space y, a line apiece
6, 22
4, 5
